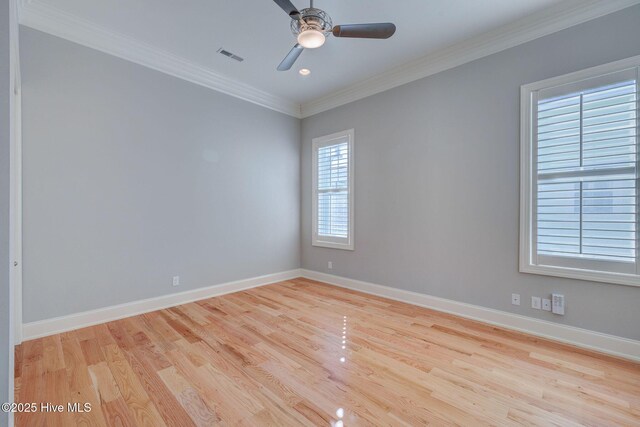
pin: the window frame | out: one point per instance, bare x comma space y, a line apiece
317, 143
528, 261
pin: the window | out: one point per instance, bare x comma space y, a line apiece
579, 202
333, 191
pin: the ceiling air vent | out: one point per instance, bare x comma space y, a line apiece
230, 55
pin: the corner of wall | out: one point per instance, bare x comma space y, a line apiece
300, 189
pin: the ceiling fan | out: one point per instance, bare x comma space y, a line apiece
311, 27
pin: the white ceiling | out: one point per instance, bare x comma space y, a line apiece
181, 39
258, 30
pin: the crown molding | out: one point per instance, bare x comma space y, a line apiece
548, 21
56, 22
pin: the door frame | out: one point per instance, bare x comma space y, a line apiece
15, 179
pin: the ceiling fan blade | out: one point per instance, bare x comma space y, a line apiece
365, 31
291, 57
288, 7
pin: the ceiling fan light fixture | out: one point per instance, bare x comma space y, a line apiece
312, 26
311, 39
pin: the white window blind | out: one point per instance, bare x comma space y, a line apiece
584, 178
332, 190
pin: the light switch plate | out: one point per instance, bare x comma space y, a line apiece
536, 303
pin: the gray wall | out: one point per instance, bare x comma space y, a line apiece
437, 181
5, 347
132, 176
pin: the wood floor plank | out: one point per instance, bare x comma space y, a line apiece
302, 352
56, 393
132, 391
117, 413
145, 367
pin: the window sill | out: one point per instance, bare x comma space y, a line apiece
576, 273
333, 245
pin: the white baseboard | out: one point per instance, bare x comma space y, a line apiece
70, 322
609, 344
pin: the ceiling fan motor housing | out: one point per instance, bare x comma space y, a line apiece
312, 19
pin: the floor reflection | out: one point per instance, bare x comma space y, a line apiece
343, 359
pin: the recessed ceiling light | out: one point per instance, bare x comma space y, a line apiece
304, 71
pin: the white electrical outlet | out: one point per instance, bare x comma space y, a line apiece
330, 265
536, 303
557, 304
546, 304
515, 299
176, 280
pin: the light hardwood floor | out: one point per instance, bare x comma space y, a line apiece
305, 353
